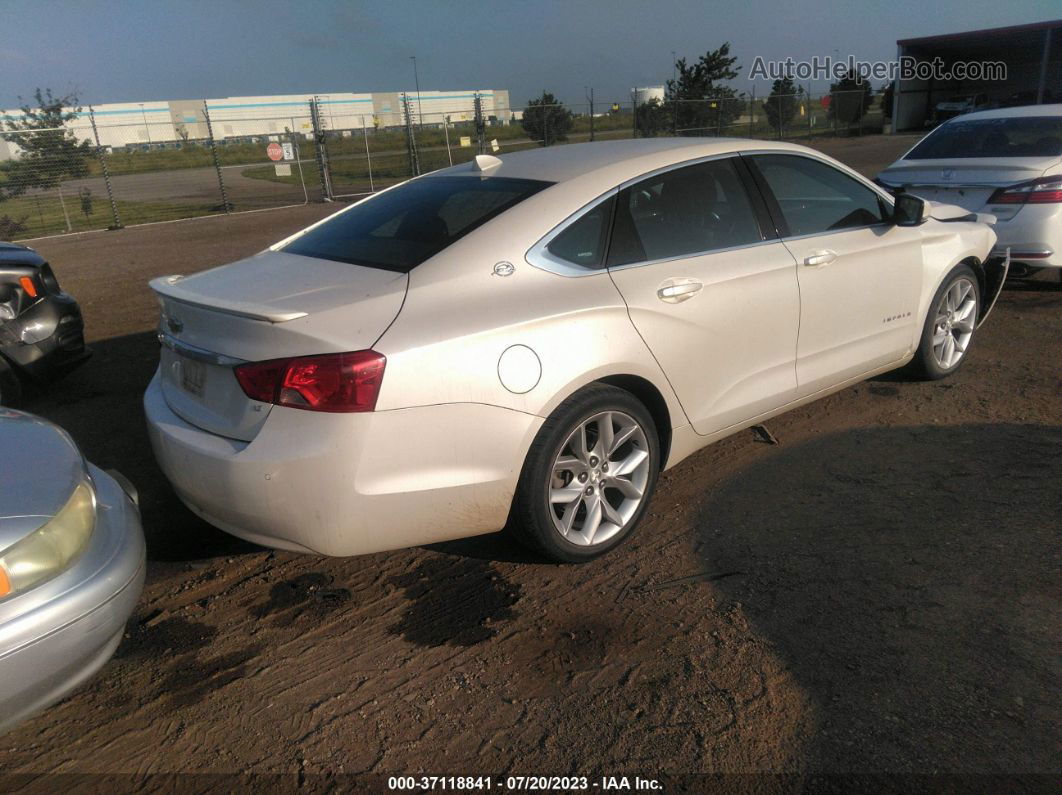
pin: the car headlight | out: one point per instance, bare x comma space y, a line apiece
53, 547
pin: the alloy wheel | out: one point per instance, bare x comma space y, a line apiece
953, 323
599, 478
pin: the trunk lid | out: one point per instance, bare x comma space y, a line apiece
967, 181
269, 306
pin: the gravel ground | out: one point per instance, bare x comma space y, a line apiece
878, 593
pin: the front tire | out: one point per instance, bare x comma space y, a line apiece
588, 476
950, 325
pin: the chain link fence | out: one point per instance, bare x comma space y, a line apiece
90, 176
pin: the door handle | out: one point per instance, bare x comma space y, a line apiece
820, 258
677, 293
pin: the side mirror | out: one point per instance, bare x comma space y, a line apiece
908, 210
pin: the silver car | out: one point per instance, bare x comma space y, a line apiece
71, 565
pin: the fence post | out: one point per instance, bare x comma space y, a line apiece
103, 168
321, 152
591, 114
810, 122
293, 137
481, 127
411, 140
368, 157
446, 134
214, 153
634, 115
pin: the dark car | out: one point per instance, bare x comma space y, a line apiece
41, 330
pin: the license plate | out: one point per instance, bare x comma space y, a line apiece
193, 376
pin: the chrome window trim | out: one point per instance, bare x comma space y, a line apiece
198, 354
705, 253
828, 233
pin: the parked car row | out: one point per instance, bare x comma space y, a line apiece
523, 341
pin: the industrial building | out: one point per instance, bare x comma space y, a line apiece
1032, 55
163, 124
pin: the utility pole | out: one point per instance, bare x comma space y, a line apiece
590, 98
416, 81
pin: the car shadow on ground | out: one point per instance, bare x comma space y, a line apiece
99, 404
908, 576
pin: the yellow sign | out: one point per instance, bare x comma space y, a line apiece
615, 107
466, 140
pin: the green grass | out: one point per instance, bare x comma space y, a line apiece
43, 215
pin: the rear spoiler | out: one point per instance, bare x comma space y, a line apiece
169, 287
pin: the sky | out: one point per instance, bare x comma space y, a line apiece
136, 51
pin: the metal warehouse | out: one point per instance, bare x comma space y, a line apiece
167, 123
1031, 54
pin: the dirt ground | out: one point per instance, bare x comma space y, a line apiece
878, 593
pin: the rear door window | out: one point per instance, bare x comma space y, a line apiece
682, 212
406, 225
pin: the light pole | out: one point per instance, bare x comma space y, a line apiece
143, 115
416, 80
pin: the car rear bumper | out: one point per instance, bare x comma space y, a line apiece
349, 484
57, 635
1034, 235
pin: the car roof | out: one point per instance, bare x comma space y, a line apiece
565, 163
1008, 113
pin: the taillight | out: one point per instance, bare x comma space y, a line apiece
1047, 190
337, 382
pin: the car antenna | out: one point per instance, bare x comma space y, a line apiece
483, 162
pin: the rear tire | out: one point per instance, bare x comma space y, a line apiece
588, 476
949, 327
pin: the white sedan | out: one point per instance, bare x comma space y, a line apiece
527, 341
1007, 163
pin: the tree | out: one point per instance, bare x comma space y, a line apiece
850, 98
781, 104
698, 104
653, 118
546, 120
49, 153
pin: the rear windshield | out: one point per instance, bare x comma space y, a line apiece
401, 228
1027, 136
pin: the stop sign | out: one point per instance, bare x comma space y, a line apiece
275, 151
